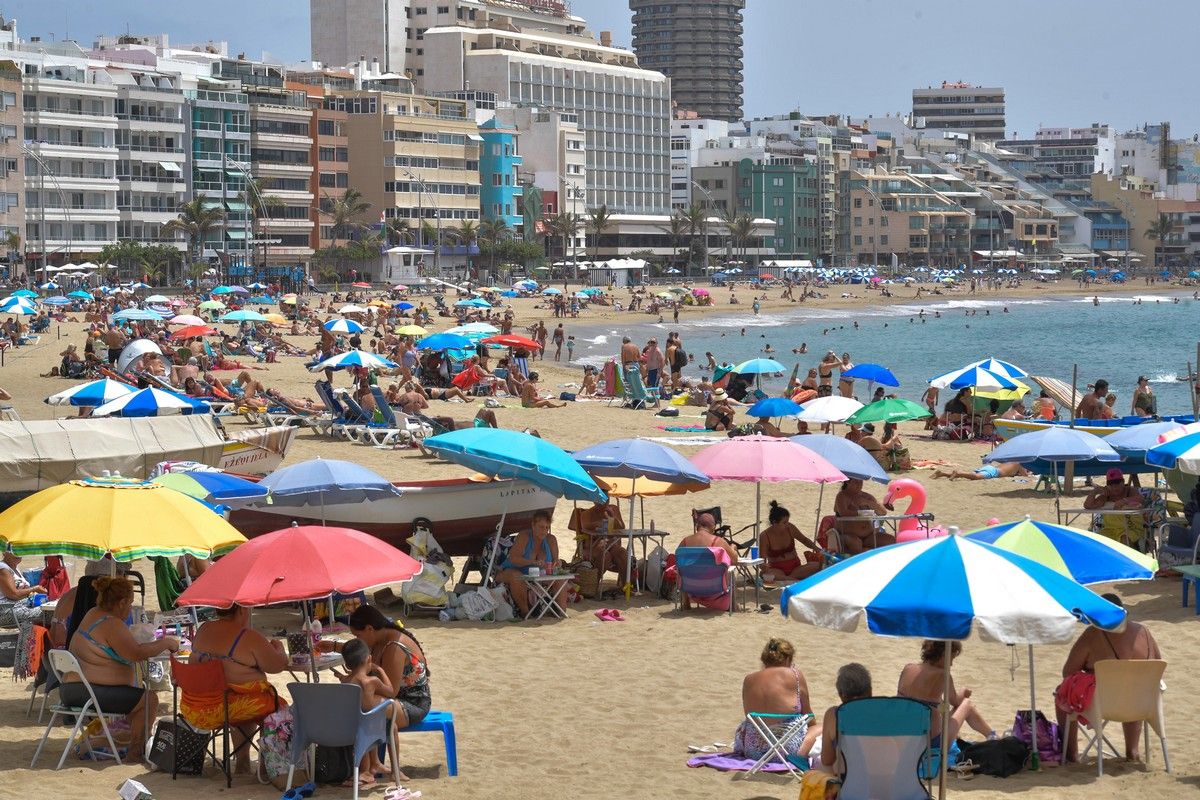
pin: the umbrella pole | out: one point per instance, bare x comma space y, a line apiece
487, 572
757, 509
628, 587
820, 501
1034, 762
945, 734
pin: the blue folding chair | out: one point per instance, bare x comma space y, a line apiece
702, 575
882, 742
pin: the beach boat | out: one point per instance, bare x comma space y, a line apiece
256, 451
1009, 428
460, 512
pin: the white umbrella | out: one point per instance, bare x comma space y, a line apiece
829, 409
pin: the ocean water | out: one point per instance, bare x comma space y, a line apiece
1117, 340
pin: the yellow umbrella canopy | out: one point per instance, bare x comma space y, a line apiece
277, 319
410, 330
128, 518
623, 487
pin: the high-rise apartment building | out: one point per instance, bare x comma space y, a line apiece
622, 109
218, 123
963, 108
698, 45
393, 31
12, 169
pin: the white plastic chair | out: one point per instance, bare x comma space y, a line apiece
63, 662
1127, 690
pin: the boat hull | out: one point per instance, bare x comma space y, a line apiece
257, 451
461, 513
1009, 428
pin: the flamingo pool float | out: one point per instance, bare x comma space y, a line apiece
911, 529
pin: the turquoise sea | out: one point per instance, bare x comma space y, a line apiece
1119, 339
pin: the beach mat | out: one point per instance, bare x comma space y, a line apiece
728, 762
682, 428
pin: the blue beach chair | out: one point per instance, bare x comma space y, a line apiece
882, 742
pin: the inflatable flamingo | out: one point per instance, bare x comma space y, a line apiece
911, 529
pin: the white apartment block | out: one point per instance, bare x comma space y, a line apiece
961, 107
393, 31
622, 109
688, 138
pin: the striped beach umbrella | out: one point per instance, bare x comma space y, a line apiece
355, 358
139, 314
1002, 368
92, 394
973, 377
343, 326
1181, 453
151, 403
20, 306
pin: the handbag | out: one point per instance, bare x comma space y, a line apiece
334, 764
182, 742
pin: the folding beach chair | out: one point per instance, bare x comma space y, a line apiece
882, 742
366, 426
727, 533
62, 662
394, 429
702, 574
783, 734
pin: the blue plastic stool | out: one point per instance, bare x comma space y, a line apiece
440, 721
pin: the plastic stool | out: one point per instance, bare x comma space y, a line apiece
440, 721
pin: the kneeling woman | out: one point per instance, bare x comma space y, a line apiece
777, 688
107, 653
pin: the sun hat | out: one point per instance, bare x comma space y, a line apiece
719, 394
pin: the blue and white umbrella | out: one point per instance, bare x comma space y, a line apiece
1137, 439
141, 314
158, 298
139, 285
1001, 368
243, 315
973, 377
20, 306
1182, 453
92, 394
48, 286
850, 457
552, 290
343, 326
944, 588
151, 403
256, 285
354, 358
57, 300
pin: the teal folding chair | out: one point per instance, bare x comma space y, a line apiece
883, 742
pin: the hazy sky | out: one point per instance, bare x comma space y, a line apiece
1061, 62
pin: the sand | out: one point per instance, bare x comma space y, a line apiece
603, 710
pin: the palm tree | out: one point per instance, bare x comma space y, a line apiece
343, 212
400, 229
564, 225
741, 227
196, 221
597, 221
697, 226
676, 227
1160, 230
491, 233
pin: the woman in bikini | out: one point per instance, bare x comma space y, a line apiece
778, 688
777, 543
107, 653
248, 658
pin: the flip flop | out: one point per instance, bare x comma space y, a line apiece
297, 792
400, 793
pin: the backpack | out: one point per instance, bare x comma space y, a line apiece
998, 757
1049, 737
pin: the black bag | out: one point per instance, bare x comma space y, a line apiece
567, 396
184, 742
669, 412
335, 764
998, 757
8, 649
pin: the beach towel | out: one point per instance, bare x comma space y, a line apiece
682, 428
728, 762
167, 582
1075, 693
632, 376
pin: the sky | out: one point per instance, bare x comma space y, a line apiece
1062, 63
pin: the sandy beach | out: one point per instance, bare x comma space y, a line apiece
590, 709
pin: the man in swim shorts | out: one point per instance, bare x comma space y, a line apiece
984, 473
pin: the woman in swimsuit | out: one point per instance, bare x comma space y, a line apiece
399, 655
1143, 398
925, 682
777, 688
107, 653
778, 545
845, 385
536, 547
248, 658
825, 368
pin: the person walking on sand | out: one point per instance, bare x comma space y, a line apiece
558, 337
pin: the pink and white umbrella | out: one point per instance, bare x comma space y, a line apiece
186, 319
765, 458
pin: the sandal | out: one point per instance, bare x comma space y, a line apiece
297, 792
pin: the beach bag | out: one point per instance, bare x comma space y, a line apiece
428, 588
478, 604
997, 757
276, 743
670, 412
334, 764
567, 396
1049, 739
180, 741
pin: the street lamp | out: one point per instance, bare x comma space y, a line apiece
713, 204
874, 232
437, 247
572, 191
43, 171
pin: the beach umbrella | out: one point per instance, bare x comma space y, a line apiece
91, 394
222, 290
214, 488
158, 298
873, 373
151, 402
24, 293
48, 286
972, 377
829, 409
209, 305
256, 286
1002, 368
758, 366
1181, 453
186, 319
474, 302
301, 563
502, 453
343, 326
512, 340
444, 341
352, 309
192, 330
278, 320
473, 328
403, 306
888, 410
243, 315
57, 300
552, 290
410, 330
943, 589
311, 483
128, 519
20, 306
850, 457
758, 458
774, 407
139, 285
354, 358
289, 299
1054, 444
637, 460
1137, 439
361, 285
79, 294
137, 314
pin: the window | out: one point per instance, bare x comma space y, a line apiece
858, 222
883, 239
916, 223
858, 202
327, 180
325, 127
857, 240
